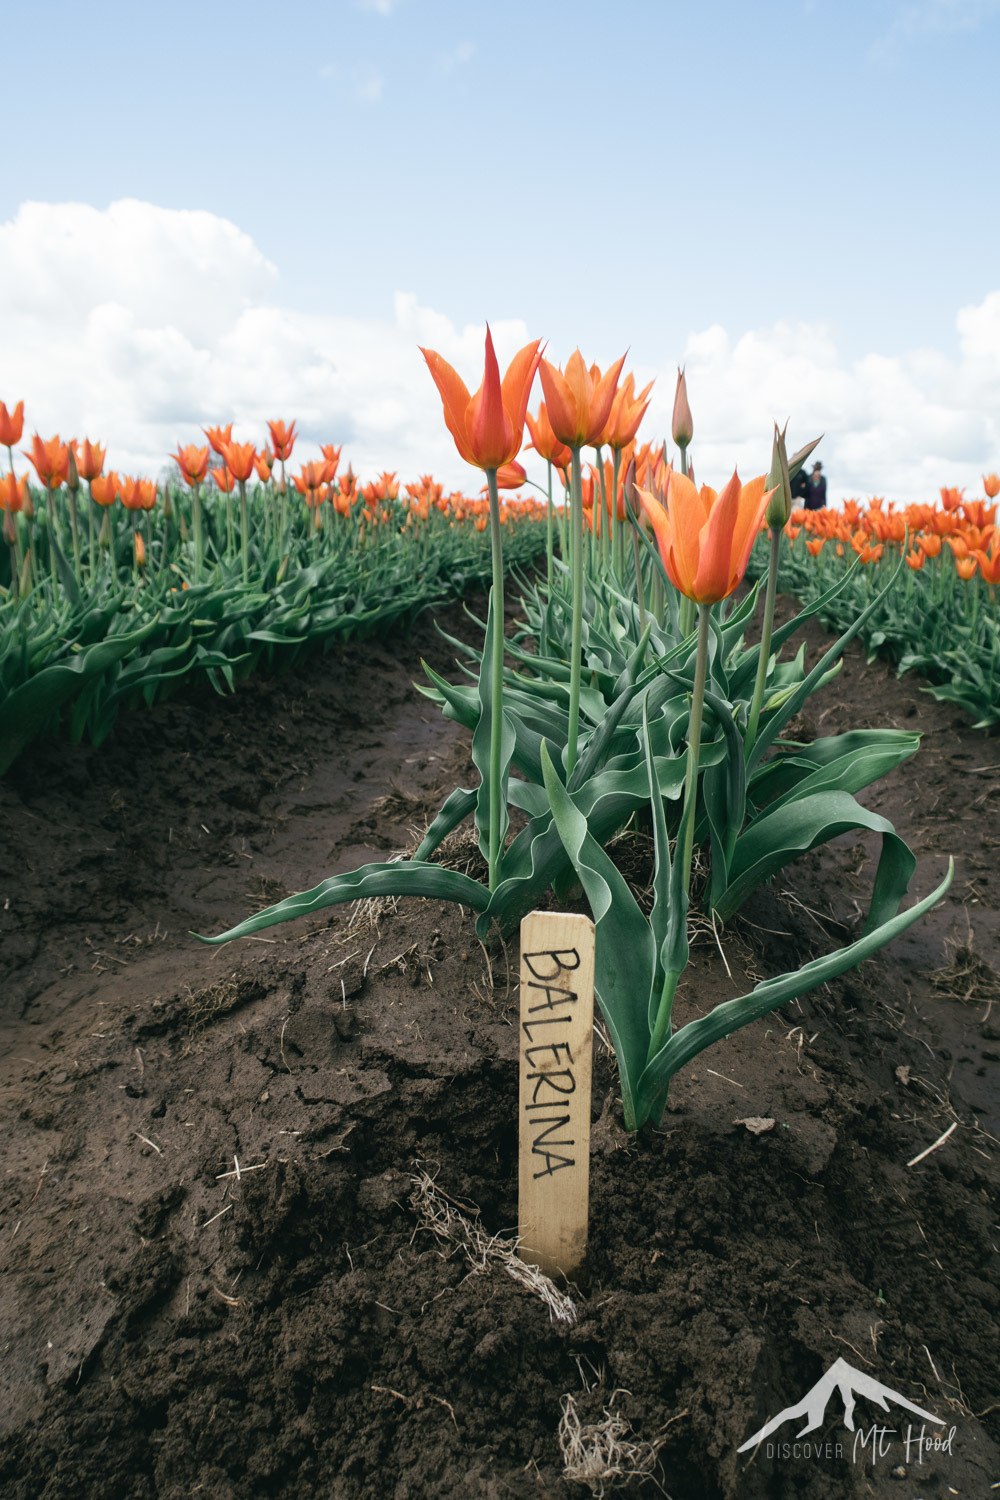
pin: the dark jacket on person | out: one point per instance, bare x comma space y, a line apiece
817, 492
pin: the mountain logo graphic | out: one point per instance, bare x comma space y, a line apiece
851, 1383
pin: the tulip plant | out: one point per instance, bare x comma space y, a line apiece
607, 709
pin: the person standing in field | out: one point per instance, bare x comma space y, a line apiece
800, 488
816, 499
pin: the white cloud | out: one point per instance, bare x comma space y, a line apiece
137, 325
899, 425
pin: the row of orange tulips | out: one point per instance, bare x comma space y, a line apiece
78, 470
967, 527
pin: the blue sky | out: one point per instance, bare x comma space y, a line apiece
636, 174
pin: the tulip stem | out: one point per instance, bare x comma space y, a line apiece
617, 539
74, 521
640, 584
51, 520
199, 540
661, 1026
244, 532
497, 790
694, 736
757, 700
18, 553
604, 531
549, 527
91, 555
576, 502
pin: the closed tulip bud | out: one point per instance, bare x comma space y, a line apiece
72, 472
682, 426
780, 505
140, 551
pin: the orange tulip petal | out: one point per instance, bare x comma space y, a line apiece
518, 381
560, 404
489, 429
688, 511
602, 400
455, 398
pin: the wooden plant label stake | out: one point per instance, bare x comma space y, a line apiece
556, 1037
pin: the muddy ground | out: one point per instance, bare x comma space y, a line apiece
173, 1324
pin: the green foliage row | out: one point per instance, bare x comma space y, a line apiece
934, 623
76, 650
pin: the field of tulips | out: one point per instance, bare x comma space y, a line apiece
941, 617
263, 1183
116, 591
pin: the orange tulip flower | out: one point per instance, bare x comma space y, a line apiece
89, 459
239, 459
13, 492
705, 538
137, 494
579, 401
951, 498
331, 453
815, 545
916, 560
511, 476
104, 489
544, 440
989, 566
310, 478
224, 480
262, 465
51, 461
282, 439
978, 513
488, 427
11, 424
140, 550
965, 567
991, 482
218, 437
627, 412
929, 545
193, 464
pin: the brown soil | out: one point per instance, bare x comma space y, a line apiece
172, 1328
